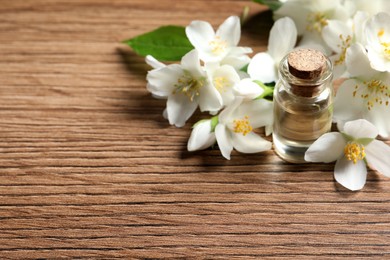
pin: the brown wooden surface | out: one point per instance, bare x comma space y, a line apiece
90, 169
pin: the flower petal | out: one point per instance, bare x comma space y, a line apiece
165, 113
351, 176
339, 69
378, 116
248, 89
224, 140
377, 155
250, 143
179, 109
209, 98
227, 72
343, 10
360, 128
190, 62
377, 32
237, 57
372, 7
378, 61
282, 38
224, 78
315, 41
269, 129
200, 33
259, 111
226, 114
297, 11
151, 61
201, 136
262, 67
230, 30
150, 88
359, 22
237, 62
334, 33
328, 148
357, 62
380, 21
346, 105
238, 51
161, 81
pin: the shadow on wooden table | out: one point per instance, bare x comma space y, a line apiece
143, 105
259, 22
134, 63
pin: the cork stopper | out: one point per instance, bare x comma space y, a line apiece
306, 63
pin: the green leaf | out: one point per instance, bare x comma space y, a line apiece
272, 4
168, 43
268, 89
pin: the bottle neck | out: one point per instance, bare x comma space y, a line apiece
307, 88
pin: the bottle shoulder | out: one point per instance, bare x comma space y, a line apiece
282, 93
285, 100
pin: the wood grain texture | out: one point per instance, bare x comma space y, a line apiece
90, 169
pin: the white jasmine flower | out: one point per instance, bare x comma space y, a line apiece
311, 17
202, 135
366, 94
223, 78
340, 35
246, 90
352, 149
236, 124
185, 86
282, 39
378, 41
220, 46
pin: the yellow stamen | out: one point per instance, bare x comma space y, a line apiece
386, 49
354, 151
218, 45
188, 85
316, 21
242, 126
374, 92
381, 32
221, 83
345, 44
385, 45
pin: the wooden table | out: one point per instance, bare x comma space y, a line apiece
90, 169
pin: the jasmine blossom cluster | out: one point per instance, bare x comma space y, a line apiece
220, 78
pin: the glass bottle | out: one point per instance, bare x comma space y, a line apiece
303, 103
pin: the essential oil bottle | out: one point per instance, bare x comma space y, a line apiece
303, 101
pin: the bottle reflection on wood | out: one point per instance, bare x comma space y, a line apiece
302, 103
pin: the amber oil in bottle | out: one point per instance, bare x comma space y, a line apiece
303, 101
